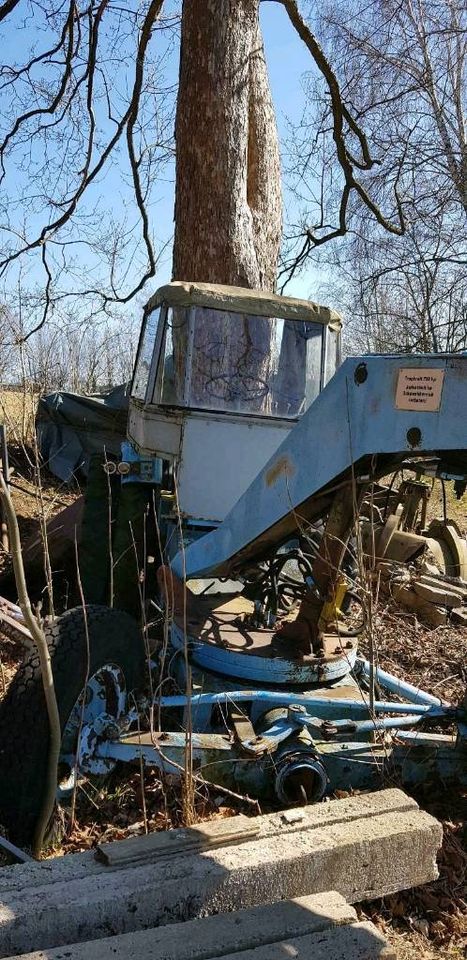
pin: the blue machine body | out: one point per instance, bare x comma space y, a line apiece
295, 722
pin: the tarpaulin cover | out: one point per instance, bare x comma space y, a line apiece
70, 428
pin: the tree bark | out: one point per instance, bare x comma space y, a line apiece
228, 207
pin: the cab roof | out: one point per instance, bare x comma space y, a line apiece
181, 293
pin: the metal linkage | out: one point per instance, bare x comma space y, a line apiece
164, 751
294, 746
298, 759
333, 728
325, 705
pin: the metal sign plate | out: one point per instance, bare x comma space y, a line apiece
419, 388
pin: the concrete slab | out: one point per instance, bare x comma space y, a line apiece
80, 865
322, 927
221, 933
365, 847
361, 941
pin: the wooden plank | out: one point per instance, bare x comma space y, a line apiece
439, 594
12, 626
204, 836
14, 852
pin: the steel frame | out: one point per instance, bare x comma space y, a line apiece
268, 741
332, 742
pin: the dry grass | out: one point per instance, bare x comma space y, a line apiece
415, 946
17, 413
456, 509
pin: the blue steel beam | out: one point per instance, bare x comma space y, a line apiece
327, 705
356, 422
349, 763
399, 687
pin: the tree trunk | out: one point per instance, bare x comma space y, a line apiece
228, 209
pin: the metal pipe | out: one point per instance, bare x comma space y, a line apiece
400, 687
367, 726
280, 698
300, 776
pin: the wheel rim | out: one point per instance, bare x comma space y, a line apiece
104, 693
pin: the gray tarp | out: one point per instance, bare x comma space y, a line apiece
70, 428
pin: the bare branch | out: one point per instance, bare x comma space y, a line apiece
152, 14
7, 8
68, 31
58, 109
346, 160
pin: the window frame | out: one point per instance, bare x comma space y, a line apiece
184, 404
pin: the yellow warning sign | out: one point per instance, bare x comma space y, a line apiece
419, 388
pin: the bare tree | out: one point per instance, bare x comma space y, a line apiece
87, 105
412, 305
72, 352
403, 64
81, 99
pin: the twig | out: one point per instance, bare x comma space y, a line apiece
188, 783
86, 678
109, 532
346, 160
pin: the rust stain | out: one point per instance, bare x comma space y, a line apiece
283, 466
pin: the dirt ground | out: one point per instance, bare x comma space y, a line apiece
423, 924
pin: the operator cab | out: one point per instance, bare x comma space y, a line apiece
221, 376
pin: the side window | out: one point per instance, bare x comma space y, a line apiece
169, 386
145, 352
298, 376
316, 334
332, 354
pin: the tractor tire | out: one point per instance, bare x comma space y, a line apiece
114, 638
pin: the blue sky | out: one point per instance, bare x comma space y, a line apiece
287, 60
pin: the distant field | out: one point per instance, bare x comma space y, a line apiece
17, 412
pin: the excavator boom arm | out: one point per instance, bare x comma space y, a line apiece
375, 413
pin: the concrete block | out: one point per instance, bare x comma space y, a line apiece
365, 846
322, 927
361, 941
219, 934
85, 865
